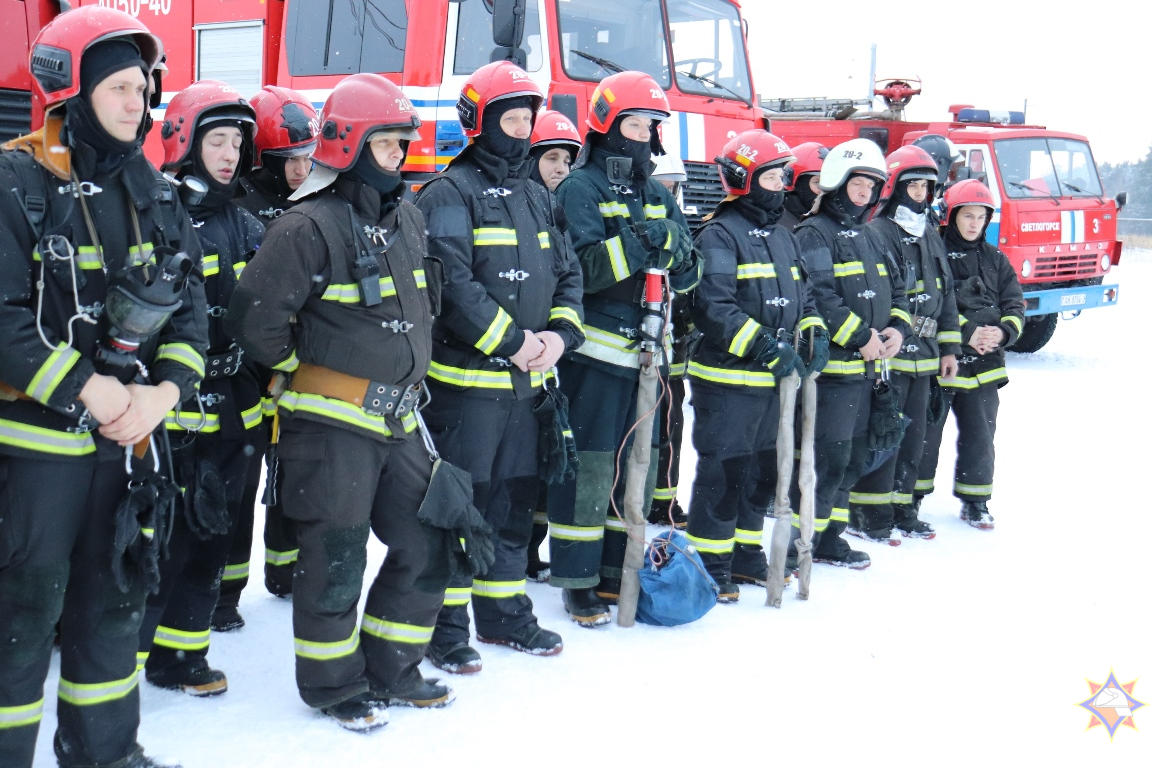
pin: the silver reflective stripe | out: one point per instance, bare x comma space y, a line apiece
396, 631
24, 714
281, 558
498, 589
90, 694
180, 639
327, 651
575, 533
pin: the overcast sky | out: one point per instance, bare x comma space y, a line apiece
1083, 68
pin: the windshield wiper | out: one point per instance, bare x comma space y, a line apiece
1077, 189
611, 66
710, 81
1054, 198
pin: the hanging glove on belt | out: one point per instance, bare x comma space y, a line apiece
556, 447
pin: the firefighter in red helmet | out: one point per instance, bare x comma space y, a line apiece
555, 144
991, 306
511, 308
759, 324
341, 296
801, 183
104, 332
881, 502
621, 221
207, 135
286, 127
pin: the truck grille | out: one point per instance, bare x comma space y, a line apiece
1066, 267
15, 113
702, 191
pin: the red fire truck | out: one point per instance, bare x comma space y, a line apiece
1053, 220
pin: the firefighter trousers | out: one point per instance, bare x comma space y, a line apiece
671, 437
494, 440
870, 500
177, 619
56, 539
975, 411
587, 535
734, 434
338, 486
843, 404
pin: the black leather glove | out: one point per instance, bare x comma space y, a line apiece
777, 356
813, 349
556, 447
448, 505
473, 539
674, 243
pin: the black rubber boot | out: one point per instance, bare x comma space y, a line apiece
197, 679
458, 659
750, 565
226, 618
835, 551
430, 694
909, 525
530, 638
976, 514
585, 607
877, 535
608, 590
659, 515
361, 713
729, 590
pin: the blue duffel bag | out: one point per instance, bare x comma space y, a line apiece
675, 588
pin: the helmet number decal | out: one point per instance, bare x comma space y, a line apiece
852, 155
748, 152
133, 7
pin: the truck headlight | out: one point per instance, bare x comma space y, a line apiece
1026, 268
1105, 263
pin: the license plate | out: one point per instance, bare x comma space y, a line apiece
1073, 300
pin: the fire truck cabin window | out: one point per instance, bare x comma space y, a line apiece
1047, 167
474, 44
343, 37
601, 37
708, 45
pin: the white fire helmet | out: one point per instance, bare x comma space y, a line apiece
669, 168
855, 156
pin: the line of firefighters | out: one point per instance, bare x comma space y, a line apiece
443, 373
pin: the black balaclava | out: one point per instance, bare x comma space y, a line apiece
493, 139
838, 202
900, 197
761, 207
274, 166
616, 145
389, 184
97, 151
218, 194
537, 152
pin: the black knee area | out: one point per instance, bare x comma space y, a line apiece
124, 612
437, 571
31, 600
347, 560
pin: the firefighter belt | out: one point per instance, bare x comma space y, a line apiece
374, 397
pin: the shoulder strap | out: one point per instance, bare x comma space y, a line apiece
34, 202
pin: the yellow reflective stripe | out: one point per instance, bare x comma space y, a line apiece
974, 382
395, 631
1013, 321
491, 338
344, 293
963, 321
338, 410
268, 407
620, 343
796, 273
948, 337
844, 367
89, 694
309, 649
972, 490
235, 572
498, 589
180, 421
925, 365
678, 369
851, 324
882, 269
289, 363
755, 271
610, 348
840, 515
141, 659
848, 268
566, 314
540, 518
421, 279
180, 639
617, 258
52, 372
23, 714
272, 557
664, 494
545, 240
712, 546
812, 321
575, 532
238, 267
749, 538
733, 376
457, 595
743, 338
462, 377
928, 485
869, 499
901, 315
183, 354
902, 498
210, 264
494, 236
819, 524
614, 209
253, 416
655, 212
613, 523
34, 438
87, 257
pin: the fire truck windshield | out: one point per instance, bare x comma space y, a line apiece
708, 46
1047, 167
601, 37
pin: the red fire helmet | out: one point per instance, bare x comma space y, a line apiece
555, 129
493, 82
909, 163
631, 92
286, 123
203, 102
359, 106
967, 192
809, 158
748, 153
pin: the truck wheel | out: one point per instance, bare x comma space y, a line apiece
1038, 329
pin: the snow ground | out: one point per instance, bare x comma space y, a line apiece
973, 646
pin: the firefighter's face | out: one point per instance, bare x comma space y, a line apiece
918, 190
220, 152
814, 184
860, 190
970, 221
636, 128
517, 123
118, 101
296, 170
772, 179
387, 152
554, 166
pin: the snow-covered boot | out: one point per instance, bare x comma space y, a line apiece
835, 551
909, 525
659, 514
227, 618
140, 760
194, 679
585, 607
750, 565
457, 659
878, 535
976, 514
531, 638
608, 590
430, 694
729, 590
360, 713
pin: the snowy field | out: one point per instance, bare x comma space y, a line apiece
974, 646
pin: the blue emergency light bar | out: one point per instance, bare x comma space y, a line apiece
989, 116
